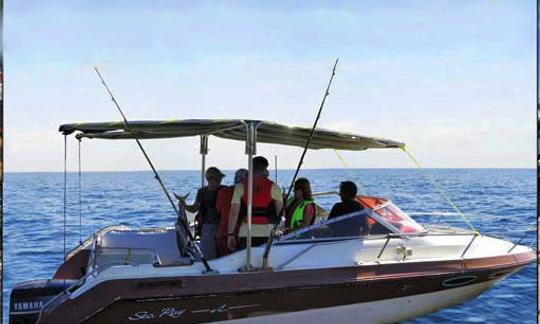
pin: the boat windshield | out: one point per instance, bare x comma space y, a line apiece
350, 225
402, 222
382, 219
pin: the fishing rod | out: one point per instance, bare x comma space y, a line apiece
300, 162
179, 220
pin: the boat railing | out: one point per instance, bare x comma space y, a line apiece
508, 235
501, 235
369, 237
390, 236
474, 236
387, 237
92, 238
325, 193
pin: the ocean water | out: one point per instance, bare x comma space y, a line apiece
500, 199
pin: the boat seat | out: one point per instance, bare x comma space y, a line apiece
109, 256
148, 246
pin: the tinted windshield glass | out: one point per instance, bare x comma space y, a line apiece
350, 225
398, 218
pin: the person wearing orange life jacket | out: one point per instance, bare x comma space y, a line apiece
223, 205
267, 203
300, 210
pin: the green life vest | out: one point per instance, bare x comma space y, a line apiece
297, 218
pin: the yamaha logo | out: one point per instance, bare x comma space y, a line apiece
26, 306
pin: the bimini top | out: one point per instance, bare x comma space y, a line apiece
235, 129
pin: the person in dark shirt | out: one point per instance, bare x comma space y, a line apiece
207, 218
348, 204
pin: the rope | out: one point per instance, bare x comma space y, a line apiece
80, 196
65, 192
347, 169
439, 188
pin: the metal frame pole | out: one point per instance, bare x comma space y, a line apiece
204, 152
251, 149
275, 169
65, 193
80, 194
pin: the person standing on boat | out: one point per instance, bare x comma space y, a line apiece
207, 219
267, 203
300, 210
223, 205
348, 204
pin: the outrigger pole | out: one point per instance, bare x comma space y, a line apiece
179, 220
300, 162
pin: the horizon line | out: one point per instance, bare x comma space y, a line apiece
232, 170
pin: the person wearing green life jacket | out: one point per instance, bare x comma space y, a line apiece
300, 211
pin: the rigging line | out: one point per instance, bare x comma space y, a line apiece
340, 157
432, 180
349, 173
362, 190
80, 195
65, 192
179, 220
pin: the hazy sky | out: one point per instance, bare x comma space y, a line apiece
455, 80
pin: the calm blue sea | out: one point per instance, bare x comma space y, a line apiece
500, 199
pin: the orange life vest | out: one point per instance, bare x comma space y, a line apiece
263, 209
223, 205
367, 202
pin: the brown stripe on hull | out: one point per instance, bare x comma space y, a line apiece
221, 297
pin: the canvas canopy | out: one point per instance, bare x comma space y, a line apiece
235, 129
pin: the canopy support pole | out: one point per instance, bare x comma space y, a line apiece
80, 194
204, 152
275, 169
65, 193
251, 149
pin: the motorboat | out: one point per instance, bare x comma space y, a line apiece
327, 272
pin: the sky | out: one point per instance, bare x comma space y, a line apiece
454, 80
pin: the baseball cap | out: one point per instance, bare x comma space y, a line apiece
240, 175
213, 172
